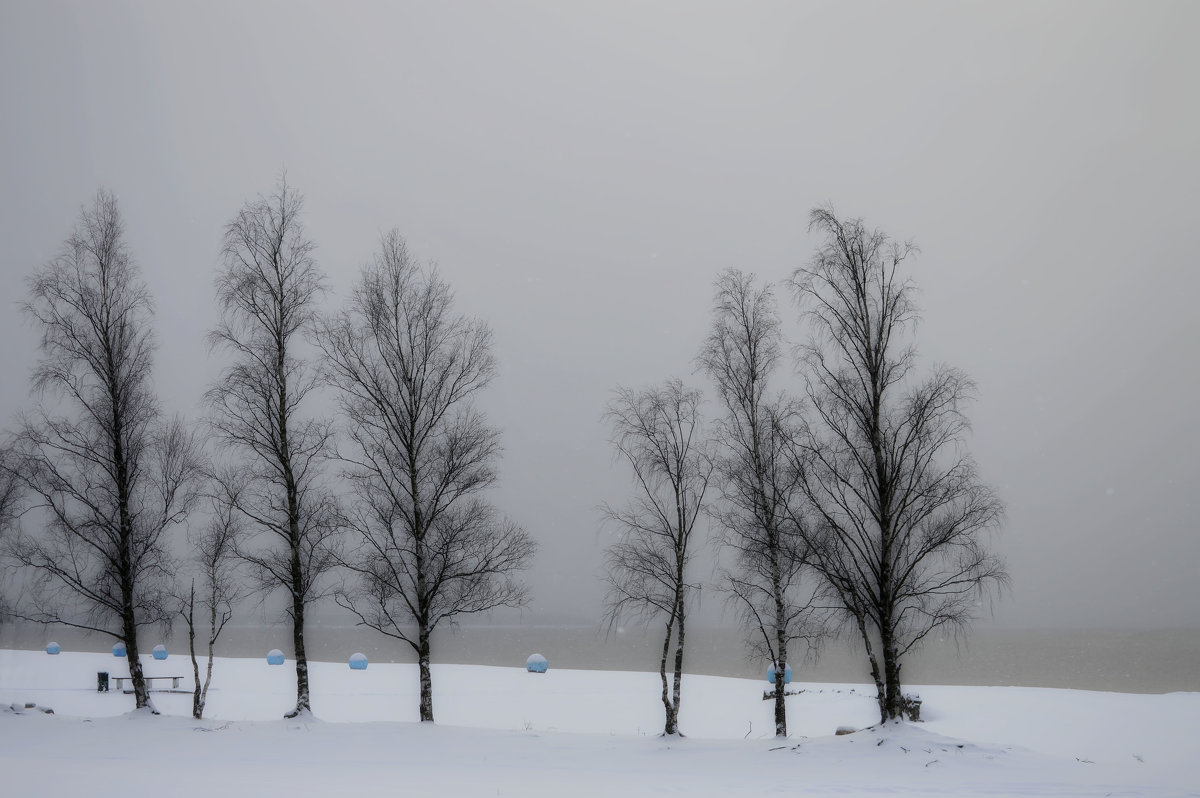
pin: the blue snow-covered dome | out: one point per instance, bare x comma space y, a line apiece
274, 657
53, 648
119, 650
358, 662
536, 664
160, 651
787, 674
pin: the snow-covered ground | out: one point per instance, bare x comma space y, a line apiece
502, 731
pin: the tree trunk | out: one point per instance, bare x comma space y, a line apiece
426, 677
207, 677
296, 586
297, 579
197, 693
891, 672
302, 696
678, 673
780, 647
190, 618
780, 696
126, 570
202, 692
140, 694
671, 724
876, 673
419, 531
880, 689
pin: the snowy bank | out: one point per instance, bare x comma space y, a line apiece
503, 731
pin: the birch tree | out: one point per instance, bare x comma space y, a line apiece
215, 564
105, 476
420, 458
10, 493
758, 488
901, 514
268, 290
659, 433
10, 513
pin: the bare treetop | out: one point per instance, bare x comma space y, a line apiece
400, 333
744, 343
271, 282
95, 318
857, 301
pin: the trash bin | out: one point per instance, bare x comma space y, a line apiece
102, 682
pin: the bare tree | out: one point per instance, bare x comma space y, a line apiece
759, 489
430, 547
10, 492
659, 432
11, 506
902, 512
268, 292
105, 473
214, 557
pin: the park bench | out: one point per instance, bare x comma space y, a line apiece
149, 682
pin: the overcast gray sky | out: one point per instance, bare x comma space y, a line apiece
581, 172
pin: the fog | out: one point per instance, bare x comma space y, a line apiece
581, 172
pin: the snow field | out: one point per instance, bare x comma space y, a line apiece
509, 732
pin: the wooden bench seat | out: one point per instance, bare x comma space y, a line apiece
175, 680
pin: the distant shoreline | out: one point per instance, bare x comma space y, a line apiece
1128, 661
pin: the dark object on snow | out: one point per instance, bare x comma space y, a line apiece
102, 682
845, 730
910, 706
